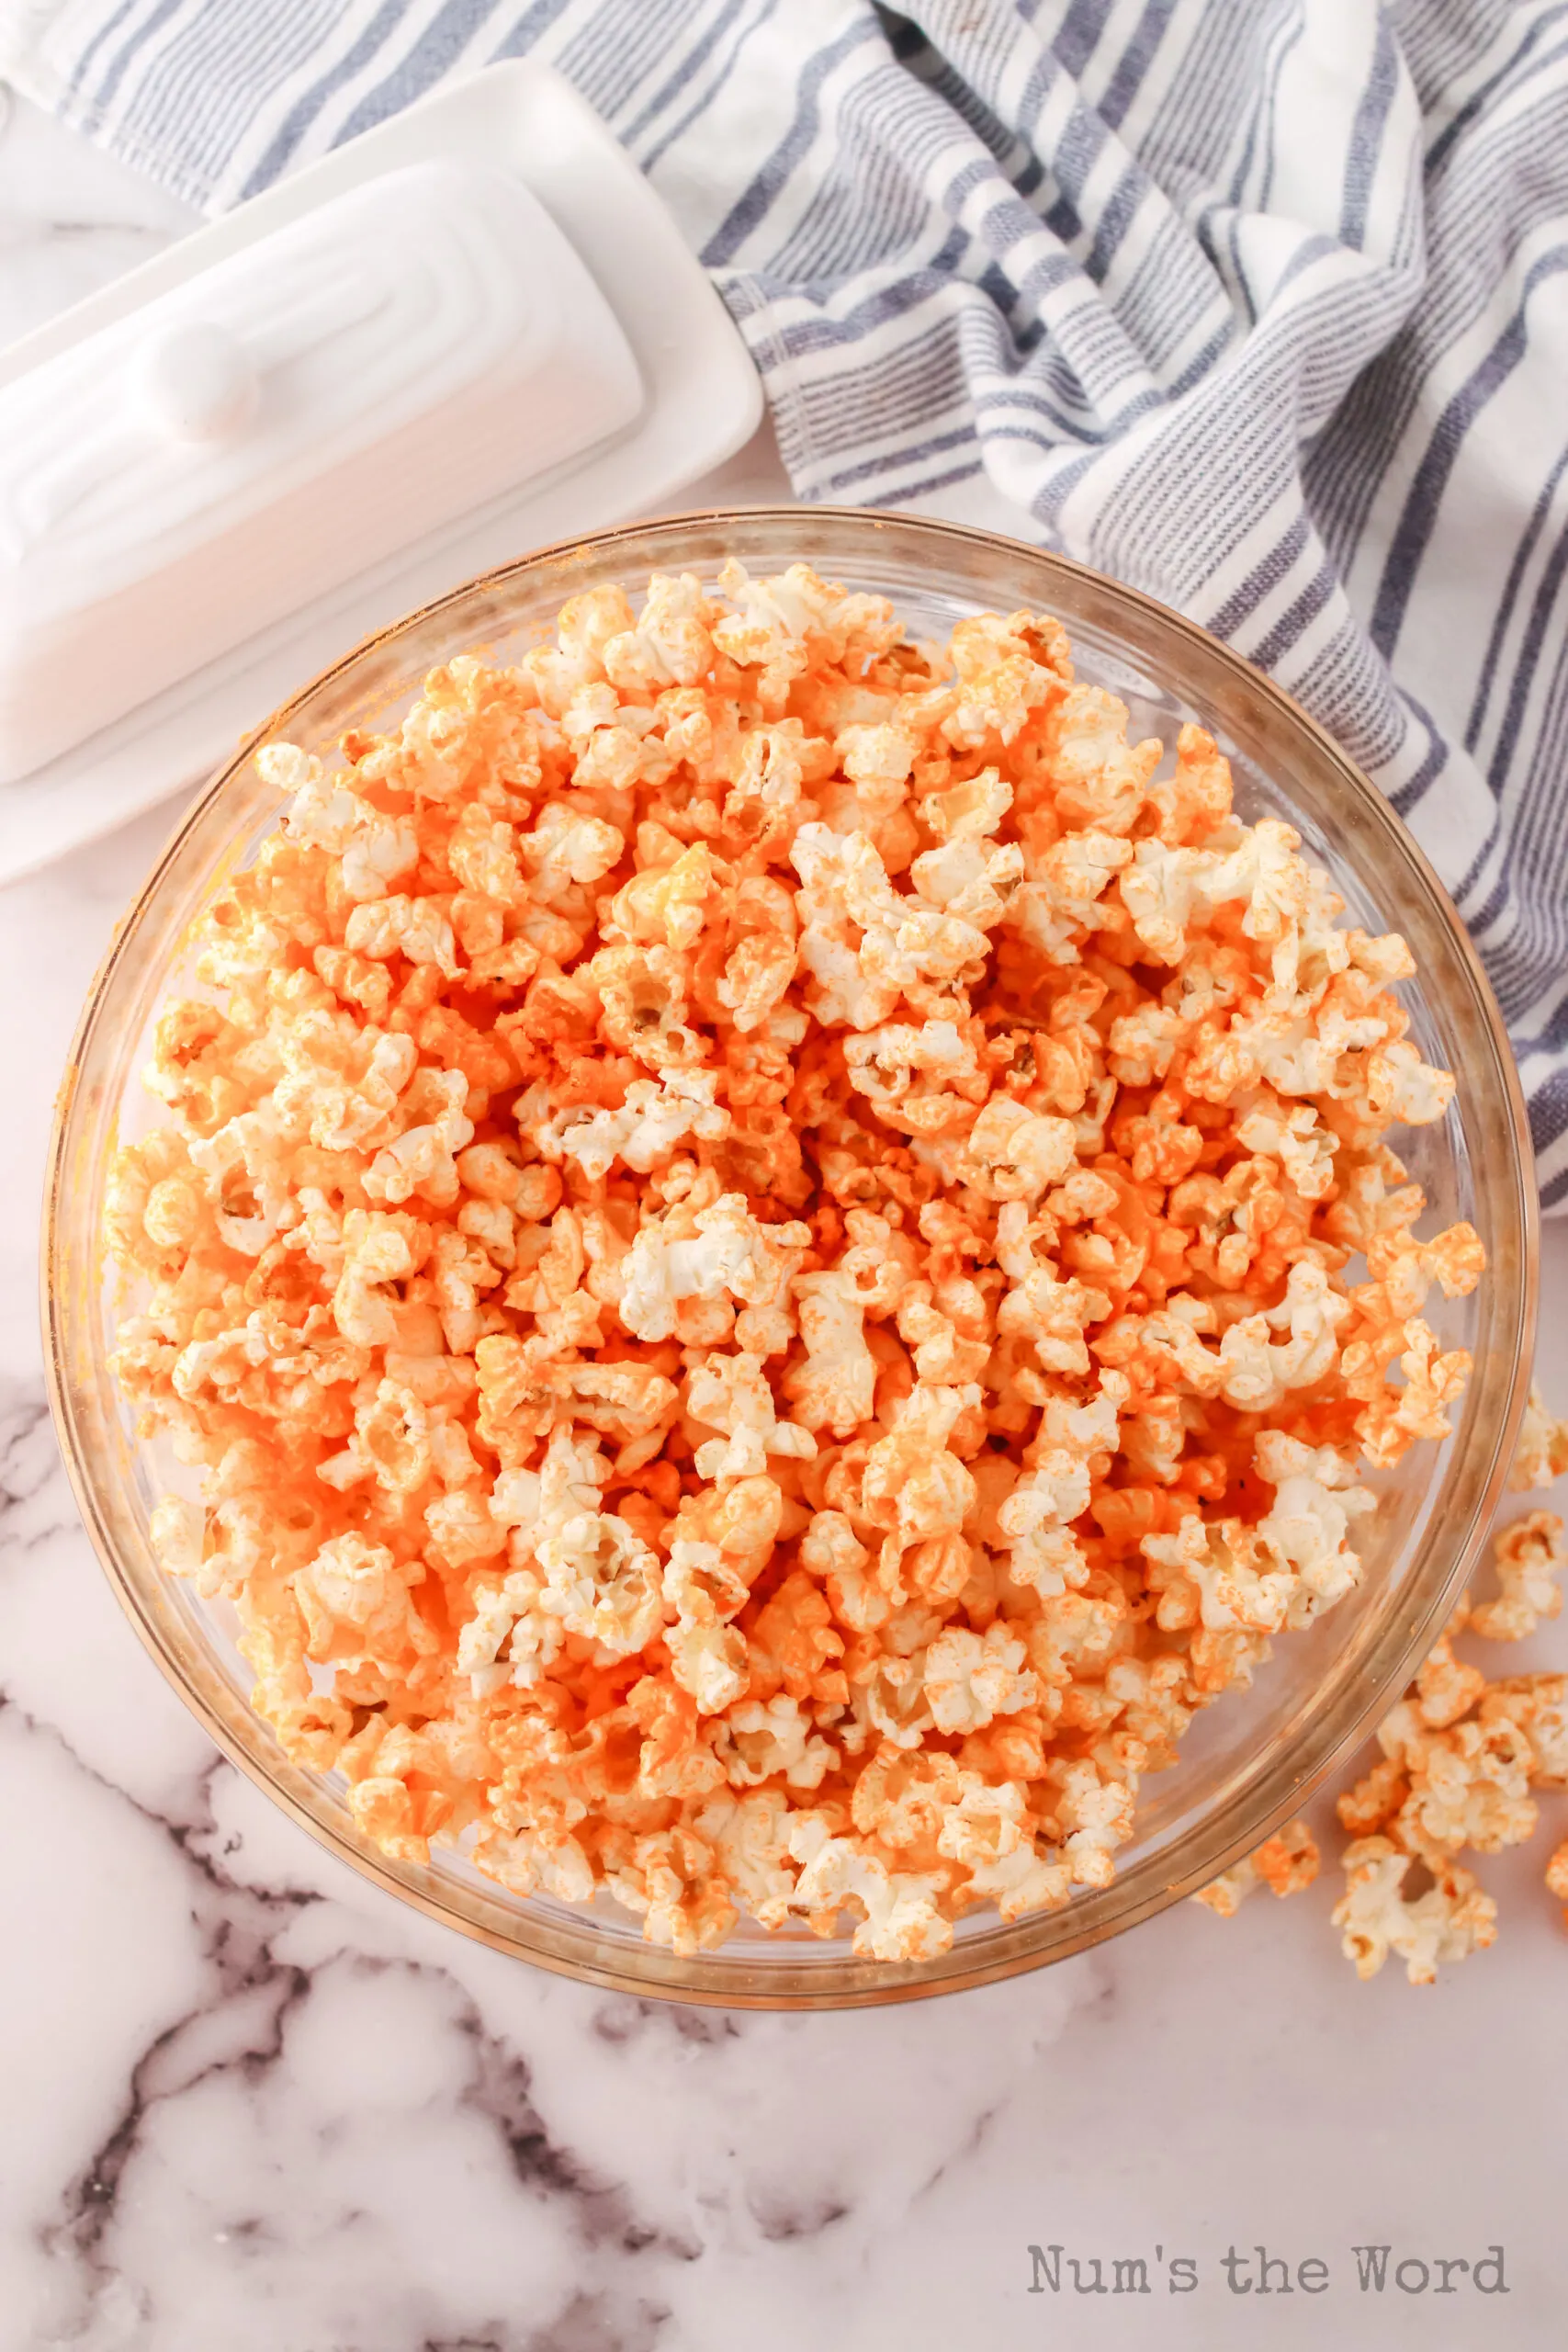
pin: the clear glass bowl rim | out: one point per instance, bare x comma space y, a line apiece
571, 1948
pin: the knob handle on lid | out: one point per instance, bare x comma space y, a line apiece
198, 382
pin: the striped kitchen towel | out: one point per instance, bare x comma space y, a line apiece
1260, 304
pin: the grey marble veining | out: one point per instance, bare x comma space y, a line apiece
249, 2104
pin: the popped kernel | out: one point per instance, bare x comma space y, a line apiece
1528, 1555
1557, 1876
1460, 1758
1452, 1918
750, 1241
1540, 1456
1285, 1863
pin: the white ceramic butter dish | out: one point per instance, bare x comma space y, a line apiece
292, 413
471, 331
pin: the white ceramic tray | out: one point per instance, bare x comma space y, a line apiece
702, 401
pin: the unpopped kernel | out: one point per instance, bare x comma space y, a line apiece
752, 1245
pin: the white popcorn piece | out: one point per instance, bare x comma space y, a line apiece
424, 1157
1401, 1087
1240, 1585
1291, 1134
903, 943
419, 929
970, 1678
671, 644
731, 1394
1060, 897
1002, 681
750, 1836
177, 1532
602, 1582
1528, 1555
1012, 1154
568, 849
1447, 1923
923, 1081
658, 1116
901, 1920
1257, 1372
1096, 1816
834, 1387
1306, 1526
988, 1831
771, 1739
529, 1862
730, 1253
1537, 1706
709, 1661
969, 879
1542, 1455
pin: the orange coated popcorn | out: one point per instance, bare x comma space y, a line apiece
1460, 1757
1542, 1455
1285, 1863
752, 1245
1528, 1555
1557, 1876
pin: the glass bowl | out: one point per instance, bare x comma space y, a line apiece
1249, 1760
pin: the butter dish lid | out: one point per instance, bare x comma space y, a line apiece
470, 331
291, 414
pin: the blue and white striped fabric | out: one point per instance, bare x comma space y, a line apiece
1261, 304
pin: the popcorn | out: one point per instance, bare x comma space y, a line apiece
355, 1600
750, 1836
901, 1920
763, 1743
1285, 1863
1015, 1154
1093, 1815
1469, 1786
989, 1832
1541, 1454
731, 1394
1447, 1923
835, 1387
1557, 1876
719, 1249
970, 1678
655, 1116
1528, 1556
1538, 1704
747, 1243
1305, 1528
1461, 1756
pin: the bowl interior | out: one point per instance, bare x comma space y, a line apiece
1248, 1761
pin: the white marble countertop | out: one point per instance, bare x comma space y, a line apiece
248, 2104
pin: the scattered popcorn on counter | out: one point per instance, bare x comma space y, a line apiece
1461, 1759
1542, 1455
1450, 1921
754, 1249
1461, 1756
1528, 1555
1557, 1877
1285, 1863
